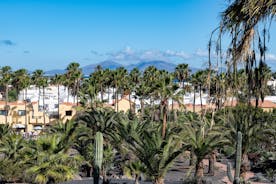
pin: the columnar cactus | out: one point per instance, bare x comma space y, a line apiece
98, 156
236, 179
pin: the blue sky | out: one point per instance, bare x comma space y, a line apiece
49, 34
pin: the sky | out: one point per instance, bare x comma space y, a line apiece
49, 34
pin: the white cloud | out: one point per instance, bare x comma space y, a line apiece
271, 57
129, 54
201, 53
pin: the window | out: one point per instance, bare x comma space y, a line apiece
21, 112
3, 112
68, 113
56, 105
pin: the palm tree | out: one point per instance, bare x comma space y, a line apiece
11, 165
21, 81
99, 120
242, 19
119, 80
165, 90
145, 141
135, 77
252, 123
182, 73
37, 75
48, 164
88, 92
99, 77
44, 84
58, 80
74, 76
202, 137
199, 80
6, 77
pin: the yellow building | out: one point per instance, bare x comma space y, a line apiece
26, 116
123, 104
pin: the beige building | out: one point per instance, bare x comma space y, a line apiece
26, 116
123, 104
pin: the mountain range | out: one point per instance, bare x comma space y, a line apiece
88, 69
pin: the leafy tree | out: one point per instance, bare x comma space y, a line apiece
5, 80
157, 153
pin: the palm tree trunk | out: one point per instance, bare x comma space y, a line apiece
158, 180
6, 103
108, 93
38, 98
25, 103
194, 101
77, 92
136, 181
68, 93
199, 171
58, 102
200, 96
129, 96
44, 120
101, 93
212, 160
117, 100
164, 121
245, 165
142, 107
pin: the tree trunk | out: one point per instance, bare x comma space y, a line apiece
44, 120
199, 170
38, 98
164, 121
136, 181
245, 166
142, 107
108, 93
6, 104
194, 101
68, 94
77, 92
117, 99
212, 160
158, 180
129, 96
200, 97
58, 103
25, 102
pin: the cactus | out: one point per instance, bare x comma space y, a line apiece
98, 156
236, 179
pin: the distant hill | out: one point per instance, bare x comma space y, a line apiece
161, 65
88, 69
53, 72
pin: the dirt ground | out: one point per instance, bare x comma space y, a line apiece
178, 174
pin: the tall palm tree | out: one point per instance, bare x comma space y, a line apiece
74, 76
21, 81
242, 19
37, 75
44, 83
119, 80
6, 77
58, 80
135, 77
165, 90
182, 73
